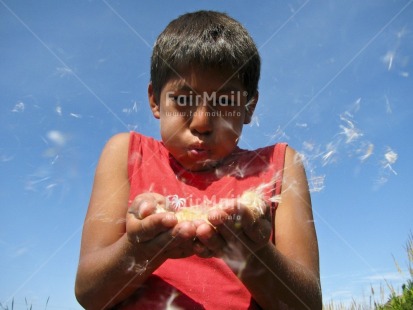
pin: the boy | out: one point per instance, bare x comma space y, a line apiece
190, 222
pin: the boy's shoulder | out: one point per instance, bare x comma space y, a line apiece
257, 161
117, 144
128, 139
268, 151
118, 141
140, 141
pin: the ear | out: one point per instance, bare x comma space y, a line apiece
154, 105
250, 108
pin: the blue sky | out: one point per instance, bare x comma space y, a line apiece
336, 85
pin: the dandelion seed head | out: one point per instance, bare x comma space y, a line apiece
239, 171
279, 135
138, 268
356, 106
275, 199
401, 33
302, 125
64, 71
391, 156
219, 173
388, 107
169, 302
58, 110
388, 59
132, 127
50, 186
19, 107
56, 137
367, 152
308, 146
328, 156
132, 109
316, 183
350, 131
299, 157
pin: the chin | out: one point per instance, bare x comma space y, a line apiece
210, 162
203, 165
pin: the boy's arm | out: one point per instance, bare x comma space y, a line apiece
282, 276
113, 263
102, 271
288, 274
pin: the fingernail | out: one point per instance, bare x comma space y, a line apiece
141, 208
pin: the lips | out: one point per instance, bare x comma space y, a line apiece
198, 151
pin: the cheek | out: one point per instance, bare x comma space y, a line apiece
169, 120
229, 127
171, 126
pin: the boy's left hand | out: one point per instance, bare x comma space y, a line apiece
238, 231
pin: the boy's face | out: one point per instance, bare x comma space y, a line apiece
201, 114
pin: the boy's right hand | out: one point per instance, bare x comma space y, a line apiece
158, 236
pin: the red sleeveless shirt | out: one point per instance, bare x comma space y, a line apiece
193, 282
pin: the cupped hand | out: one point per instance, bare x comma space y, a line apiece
158, 235
234, 231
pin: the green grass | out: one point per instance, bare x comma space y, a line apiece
403, 301
395, 300
28, 306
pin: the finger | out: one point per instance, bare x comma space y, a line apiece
146, 204
217, 217
228, 225
229, 206
142, 206
202, 251
230, 229
184, 231
210, 238
174, 243
149, 227
159, 199
256, 228
259, 231
199, 248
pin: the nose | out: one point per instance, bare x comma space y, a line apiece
201, 120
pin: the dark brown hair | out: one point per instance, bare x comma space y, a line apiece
205, 39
